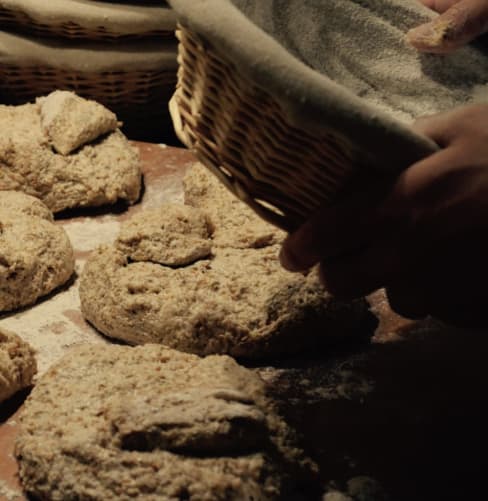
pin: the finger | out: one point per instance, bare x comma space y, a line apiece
339, 229
448, 285
439, 5
461, 123
436, 127
359, 274
411, 219
458, 25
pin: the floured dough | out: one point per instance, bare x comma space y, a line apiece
173, 235
176, 283
236, 225
35, 254
113, 422
24, 204
70, 121
17, 364
97, 173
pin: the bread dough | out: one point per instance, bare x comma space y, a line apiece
113, 422
17, 364
236, 225
70, 121
173, 235
99, 173
35, 254
24, 204
211, 298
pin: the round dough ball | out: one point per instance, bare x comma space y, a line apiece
114, 422
239, 301
14, 202
173, 235
17, 364
35, 254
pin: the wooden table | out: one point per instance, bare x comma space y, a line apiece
406, 409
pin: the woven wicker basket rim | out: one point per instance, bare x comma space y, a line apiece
88, 57
116, 18
392, 144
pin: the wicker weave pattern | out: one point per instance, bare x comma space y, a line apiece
20, 21
241, 133
23, 84
139, 98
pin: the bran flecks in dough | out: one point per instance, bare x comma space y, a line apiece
36, 255
114, 422
173, 235
24, 204
70, 121
97, 173
236, 225
17, 364
234, 298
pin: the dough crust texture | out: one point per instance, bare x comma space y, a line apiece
204, 282
36, 255
71, 121
51, 150
115, 422
17, 364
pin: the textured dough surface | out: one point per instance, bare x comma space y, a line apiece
236, 225
70, 121
24, 204
235, 299
173, 235
99, 173
35, 254
17, 364
113, 422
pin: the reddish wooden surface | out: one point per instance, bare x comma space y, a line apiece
407, 410
163, 168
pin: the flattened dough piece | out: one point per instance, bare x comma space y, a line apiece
17, 364
70, 121
239, 301
96, 174
154, 423
236, 225
35, 254
173, 235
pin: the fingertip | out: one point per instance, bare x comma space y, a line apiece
428, 37
289, 258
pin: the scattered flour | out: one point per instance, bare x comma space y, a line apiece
8, 494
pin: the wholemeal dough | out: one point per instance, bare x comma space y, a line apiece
98, 173
70, 121
35, 254
24, 204
170, 279
17, 364
173, 235
236, 225
113, 422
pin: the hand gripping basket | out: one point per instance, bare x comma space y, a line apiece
283, 136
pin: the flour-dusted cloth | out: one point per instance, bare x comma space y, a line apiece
341, 80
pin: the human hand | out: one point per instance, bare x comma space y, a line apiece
423, 236
460, 22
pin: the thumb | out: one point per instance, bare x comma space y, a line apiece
457, 26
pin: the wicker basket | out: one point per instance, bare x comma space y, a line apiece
88, 20
283, 137
135, 85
